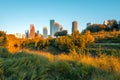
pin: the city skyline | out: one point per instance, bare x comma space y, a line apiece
17, 15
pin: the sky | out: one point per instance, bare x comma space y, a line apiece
17, 15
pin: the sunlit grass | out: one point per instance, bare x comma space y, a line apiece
37, 65
104, 62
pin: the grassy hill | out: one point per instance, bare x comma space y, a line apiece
34, 65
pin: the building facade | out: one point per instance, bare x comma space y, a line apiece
61, 27
45, 32
52, 27
56, 27
27, 34
74, 26
32, 31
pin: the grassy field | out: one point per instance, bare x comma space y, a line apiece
35, 65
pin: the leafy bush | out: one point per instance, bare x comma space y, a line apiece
2, 38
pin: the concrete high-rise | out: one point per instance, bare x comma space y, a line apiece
27, 34
32, 31
61, 28
45, 32
56, 27
52, 27
37, 32
74, 26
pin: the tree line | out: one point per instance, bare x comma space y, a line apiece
108, 25
66, 43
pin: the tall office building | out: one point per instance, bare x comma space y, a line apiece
27, 34
32, 31
74, 26
61, 27
37, 33
52, 27
45, 32
56, 27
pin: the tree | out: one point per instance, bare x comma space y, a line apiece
2, 38
64, 43
113, 25
96, 27
88, 38
61, 33
75, 34
13, 43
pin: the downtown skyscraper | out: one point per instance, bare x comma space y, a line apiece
26, 33
45, 32
74, 26
54, 27
32, 31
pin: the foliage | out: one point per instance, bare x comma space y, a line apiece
109, 39
88, 38
61, 33
2, 38
64, 43
13, 44
111, 25
96, 27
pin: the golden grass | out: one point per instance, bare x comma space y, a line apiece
108, 63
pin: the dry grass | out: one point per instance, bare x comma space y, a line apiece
107, 63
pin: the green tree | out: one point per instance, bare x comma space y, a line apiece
61, 33
64, 43
96, 28
113, 25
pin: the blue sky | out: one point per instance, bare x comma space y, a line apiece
17, 15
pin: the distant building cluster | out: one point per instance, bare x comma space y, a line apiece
54, 27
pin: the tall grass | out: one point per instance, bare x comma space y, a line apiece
35, 65
108, 63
